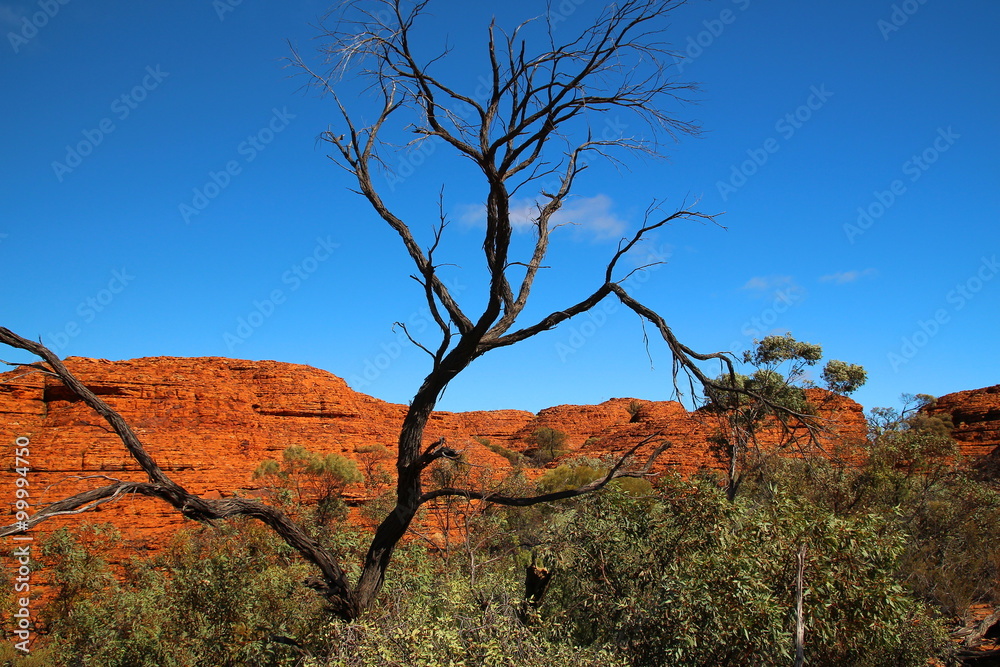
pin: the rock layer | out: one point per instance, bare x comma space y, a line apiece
209, 422
976, 416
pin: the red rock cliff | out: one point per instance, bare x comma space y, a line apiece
210, 421
976, 416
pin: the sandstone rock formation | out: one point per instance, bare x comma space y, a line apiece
210, 421
976, 416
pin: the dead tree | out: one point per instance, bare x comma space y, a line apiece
529, 129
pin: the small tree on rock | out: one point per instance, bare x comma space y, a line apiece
548, 444
773, 395
312, 478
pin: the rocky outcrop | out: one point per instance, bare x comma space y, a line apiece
976, 416
209, 422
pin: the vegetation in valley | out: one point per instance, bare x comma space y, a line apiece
672, 572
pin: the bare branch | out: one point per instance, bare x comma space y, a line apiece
617, 471
124, 431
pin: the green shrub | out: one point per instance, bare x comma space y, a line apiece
678, 575
516, 459
310, 483
548, 443
579, 472
695, 580
214, 598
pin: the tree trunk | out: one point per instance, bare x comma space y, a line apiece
800, 625
536, 583
409, 469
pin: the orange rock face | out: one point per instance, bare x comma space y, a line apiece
976, 415
209, 422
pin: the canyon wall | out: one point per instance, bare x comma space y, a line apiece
209, 422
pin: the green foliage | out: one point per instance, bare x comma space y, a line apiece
677, 575
913, 477
340, 470
843, 378
371, 457
225, 598
953, 556
695, 580
778, 369
516, 459
579, 472
311, 478
911, 440
213, 598
377, 452
569, 476
773, 396
548, 444
267, 468
672, 576
634, 486
774, 350
460, 616
779, 364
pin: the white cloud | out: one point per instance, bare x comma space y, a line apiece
842, 277
470, 215
767, 283
591, 216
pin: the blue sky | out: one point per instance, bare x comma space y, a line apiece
165, 194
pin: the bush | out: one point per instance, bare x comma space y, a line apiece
214, 598
371, 457
305, 478
696, 580
580, 472
548, 444
675, 576
912, 477
516, 459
